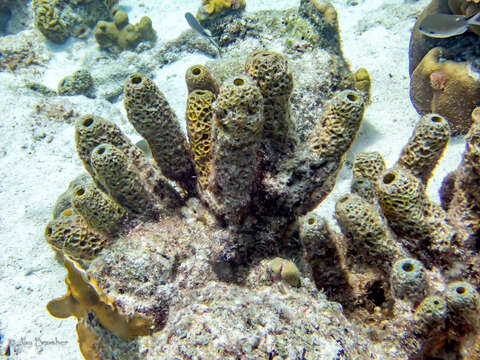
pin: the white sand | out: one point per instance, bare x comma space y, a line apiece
36, 170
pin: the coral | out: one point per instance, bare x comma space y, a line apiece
212, 9
79, 83
409, 280
151, 115
58, 20
425, 146
444, 73
121, 34
270, 72
198, 77
199, 116
84, 295
47, 20
446, 87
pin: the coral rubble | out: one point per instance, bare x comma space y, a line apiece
445, 75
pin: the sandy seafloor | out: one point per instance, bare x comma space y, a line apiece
38, 159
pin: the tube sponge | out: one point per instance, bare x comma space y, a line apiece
71, 235
237, 132
270, 72
366, 169
199, 122
363, 225
408, 280
430, 315
198, 77
153, 118
91, 131
100, 212
425, 146
335, 132
463, 304
112, 170
401, 196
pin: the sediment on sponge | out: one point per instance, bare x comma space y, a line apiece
151, 115
425, 147
270, 72
408, 280
236, 137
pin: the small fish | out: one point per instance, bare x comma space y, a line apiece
447, 25
195, 25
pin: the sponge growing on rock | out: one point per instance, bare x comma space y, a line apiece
463, 305
212, 9
430, 315
339, 124
408, 280
363, 225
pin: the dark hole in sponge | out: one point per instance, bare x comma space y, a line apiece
408, 267
196, 71
87, 121
48, 231
101, 150
437, 119
136, 79
461, 290
238, 81
80, 192
352, 97
389, 178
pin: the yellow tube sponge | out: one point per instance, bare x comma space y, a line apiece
199, 121
84, 295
